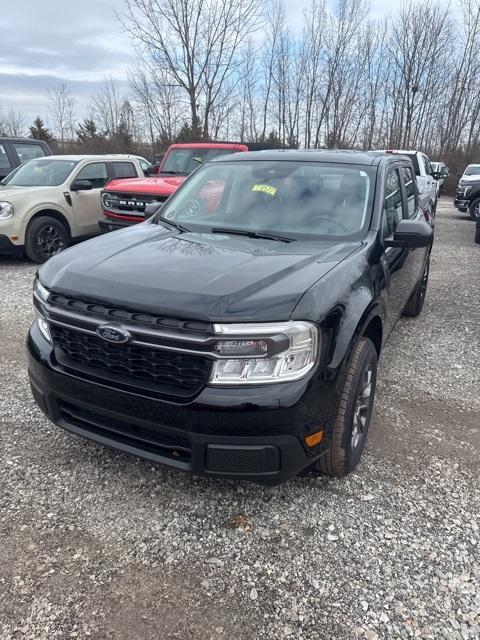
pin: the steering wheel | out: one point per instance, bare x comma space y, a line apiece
193, 208
329, 221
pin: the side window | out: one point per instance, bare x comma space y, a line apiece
28, 151
393, 210
5, 165
124, 170
96, 173
411, 191
428, 166
145, 166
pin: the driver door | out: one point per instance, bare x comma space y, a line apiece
394, 258
86, 204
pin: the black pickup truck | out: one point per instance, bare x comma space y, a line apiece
467, 198
16, 151
241, 341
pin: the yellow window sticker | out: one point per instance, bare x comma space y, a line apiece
265, 188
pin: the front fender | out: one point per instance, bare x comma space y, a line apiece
46, 207
343, 303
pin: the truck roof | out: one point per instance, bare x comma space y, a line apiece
310, 155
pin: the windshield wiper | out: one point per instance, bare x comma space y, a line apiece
252, 234
178, 226
173, 173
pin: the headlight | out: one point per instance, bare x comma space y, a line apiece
283, 351
466, 190
40, 290
106, 200
44, 328
6, 210
43, 294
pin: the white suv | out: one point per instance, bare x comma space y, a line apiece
47, 202
426, 179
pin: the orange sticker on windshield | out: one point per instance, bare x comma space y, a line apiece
265, 188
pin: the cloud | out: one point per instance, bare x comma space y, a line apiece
44, 43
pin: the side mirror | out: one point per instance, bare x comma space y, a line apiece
411, 234
152, 208
151, 170
81, 185
437, 175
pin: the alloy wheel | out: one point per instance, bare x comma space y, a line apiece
50, 241
424, 283
362, 407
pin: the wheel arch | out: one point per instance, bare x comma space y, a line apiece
53, 213
369, 323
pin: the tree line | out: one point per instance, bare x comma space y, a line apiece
237, 69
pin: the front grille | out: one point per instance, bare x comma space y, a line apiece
148, 438
132, 203
168, 372
135, 317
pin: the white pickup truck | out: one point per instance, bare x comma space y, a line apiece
426, 178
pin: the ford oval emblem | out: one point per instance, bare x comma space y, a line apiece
116, 335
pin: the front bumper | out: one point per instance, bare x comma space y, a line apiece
461, 204
254, 434
7, 247
109, 224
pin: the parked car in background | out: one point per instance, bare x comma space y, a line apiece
426, 178
241, 342
471, 173
124, 203
441, 170
48, 202
16, 151
467, 197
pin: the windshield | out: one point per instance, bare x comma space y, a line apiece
307, 199
184, 161
472, 170
41, 173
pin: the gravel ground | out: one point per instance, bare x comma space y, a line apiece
95, 544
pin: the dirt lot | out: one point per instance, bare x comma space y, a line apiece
94, 544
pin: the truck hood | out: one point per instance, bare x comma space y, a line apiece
191, 275
162, 186
465, 180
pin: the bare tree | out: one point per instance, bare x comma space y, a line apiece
159, 105
61, 108
196, 43
12, 122
107, 106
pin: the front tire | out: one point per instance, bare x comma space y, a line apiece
46, 236
414, 306
354, 412
474, 210
477, 232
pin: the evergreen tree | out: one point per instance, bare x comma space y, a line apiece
87, 131
38, 131
90, 138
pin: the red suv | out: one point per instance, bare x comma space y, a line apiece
124, 201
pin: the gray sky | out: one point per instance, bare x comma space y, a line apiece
45, 42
